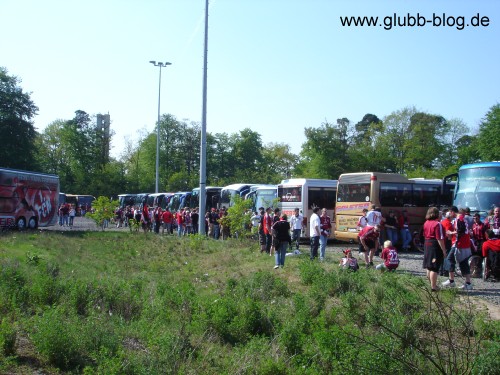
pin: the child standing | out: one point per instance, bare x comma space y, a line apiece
390, 257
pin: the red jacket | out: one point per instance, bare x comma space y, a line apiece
492, 244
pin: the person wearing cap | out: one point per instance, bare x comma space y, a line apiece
348, 262
368, 237
282, 240
314, 232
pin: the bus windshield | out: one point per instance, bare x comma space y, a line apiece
478, 188
358, 192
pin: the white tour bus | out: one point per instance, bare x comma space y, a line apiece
228, 193
262, 196
304, 194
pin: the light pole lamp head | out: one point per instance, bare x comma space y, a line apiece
160, 64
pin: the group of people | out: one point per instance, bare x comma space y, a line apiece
452, 240
67, 213
393, 227
184, 221
277, 234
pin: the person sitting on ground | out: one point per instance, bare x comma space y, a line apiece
349, 262
390, 257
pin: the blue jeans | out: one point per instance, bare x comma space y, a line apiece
280, 253
314, 247
322, 246
406, 238
392, 235
296, 237
216, 231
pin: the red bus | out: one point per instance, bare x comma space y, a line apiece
28, 199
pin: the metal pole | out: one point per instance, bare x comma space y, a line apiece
157, 179
158, 136
203, 140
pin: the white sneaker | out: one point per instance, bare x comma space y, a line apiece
275, 267
466, 287
448, 284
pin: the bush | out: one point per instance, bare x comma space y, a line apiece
310, 272
8, 336
58, 337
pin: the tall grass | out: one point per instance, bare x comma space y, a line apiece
129, 303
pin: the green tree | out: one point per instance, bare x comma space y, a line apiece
246, 154
397, 137
17, 133
425, 141
488, 139
278, 163
103, 209
324, 154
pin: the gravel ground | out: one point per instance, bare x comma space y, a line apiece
410, 262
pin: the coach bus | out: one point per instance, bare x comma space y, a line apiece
28, 199
176, 199
305, 194
228, 193
212, 197
478, 187
388, 191
126, 200
263, 196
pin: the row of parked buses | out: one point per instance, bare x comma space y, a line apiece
477, 186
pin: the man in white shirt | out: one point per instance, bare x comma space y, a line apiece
373, 217
296, 225
314, 232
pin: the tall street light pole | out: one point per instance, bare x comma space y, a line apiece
203, 140
160, 65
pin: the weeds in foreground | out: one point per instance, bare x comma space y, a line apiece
103, 303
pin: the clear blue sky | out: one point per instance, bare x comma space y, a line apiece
275, 66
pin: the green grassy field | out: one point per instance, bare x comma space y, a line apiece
130, 303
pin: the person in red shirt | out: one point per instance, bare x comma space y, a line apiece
179, 217
448, 229
268, 222
462, 243
167, 219
478, 233
368, 237
491, 251
390, 257
434, 247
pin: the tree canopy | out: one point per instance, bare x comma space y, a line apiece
407, 141
17, 133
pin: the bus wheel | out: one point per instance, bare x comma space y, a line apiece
32, 223
21, 223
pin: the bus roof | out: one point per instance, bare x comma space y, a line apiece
314, 182
209, 188
236, 186
488, 164
28, 172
